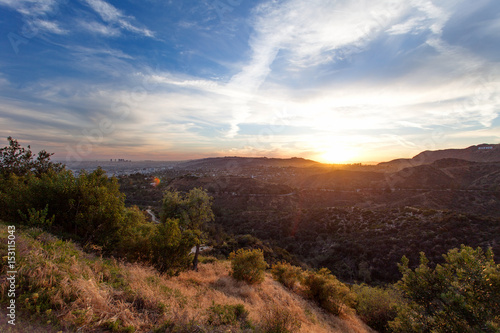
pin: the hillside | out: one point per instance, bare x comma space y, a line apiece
235, 163
67, 289
478, 153
347, 239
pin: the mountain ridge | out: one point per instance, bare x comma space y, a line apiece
477, 153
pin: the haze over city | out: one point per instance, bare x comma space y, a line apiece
333, 81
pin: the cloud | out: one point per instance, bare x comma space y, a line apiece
48, 26
304, 34
98, 28
112, 15
92, 51
31, 7
35, 14
369, 75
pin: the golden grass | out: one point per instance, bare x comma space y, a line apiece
212, 284
60, 283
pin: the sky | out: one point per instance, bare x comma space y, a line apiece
334, 81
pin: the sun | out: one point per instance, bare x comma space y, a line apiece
337, 155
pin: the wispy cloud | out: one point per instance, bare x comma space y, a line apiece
49, 26
31, 7
98, 28
36, 15
112, 15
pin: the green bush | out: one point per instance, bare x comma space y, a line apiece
376, 306
227, 314
328, 292
37, 218
286, 274
248, 265
462, 295
279, 320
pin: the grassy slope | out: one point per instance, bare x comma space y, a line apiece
60, 285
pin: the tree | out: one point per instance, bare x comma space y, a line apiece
170, 247
20, 161
192, 210
462, 295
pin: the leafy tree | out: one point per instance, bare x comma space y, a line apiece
20, 161
193, 211
462, 295
99, 208
171, 247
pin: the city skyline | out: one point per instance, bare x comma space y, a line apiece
331, 81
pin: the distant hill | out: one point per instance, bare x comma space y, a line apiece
480, 153
235, 163
228, 184
343, 179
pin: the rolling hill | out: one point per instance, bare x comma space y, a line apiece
479, 153
235, 163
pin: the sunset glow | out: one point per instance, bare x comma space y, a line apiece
338, 155
164, 80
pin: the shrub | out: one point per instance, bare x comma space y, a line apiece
227, 314
462, 295
286, 274
376, 306
328, 292
279, 320
248, 265
37, 218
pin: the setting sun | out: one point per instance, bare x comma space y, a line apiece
337, 155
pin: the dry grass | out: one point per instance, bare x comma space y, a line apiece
60, 284
196, 291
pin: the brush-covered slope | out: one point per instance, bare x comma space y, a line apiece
235, 163
63, 288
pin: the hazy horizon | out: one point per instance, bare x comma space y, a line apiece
128, 159
332, 81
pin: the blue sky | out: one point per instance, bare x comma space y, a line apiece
323, 79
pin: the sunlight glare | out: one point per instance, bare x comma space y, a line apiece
338, 155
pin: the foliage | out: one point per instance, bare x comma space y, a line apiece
171, 247
248, 265
227, 314
136, 234
376, 305
89, 208
462, 295
358, 244
286, 274
37, 218
192, 211
279, 320
328, 292
20, 161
